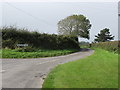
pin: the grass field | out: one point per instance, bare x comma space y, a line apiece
0, 53
8, 53
99, 70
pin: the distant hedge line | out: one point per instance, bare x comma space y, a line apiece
110, 46
12, 36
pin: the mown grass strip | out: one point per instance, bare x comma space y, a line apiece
99, 70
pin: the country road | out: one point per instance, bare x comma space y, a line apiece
29, 73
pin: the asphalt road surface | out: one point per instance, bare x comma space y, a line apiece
30, 73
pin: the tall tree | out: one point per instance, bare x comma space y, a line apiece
77, 25
104, 35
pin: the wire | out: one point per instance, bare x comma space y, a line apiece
29, 14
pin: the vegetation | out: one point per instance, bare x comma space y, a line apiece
97, 71
113, 46
76, 25
0, 53
13, 36
104, 36
0, 39
84, 44
21, 53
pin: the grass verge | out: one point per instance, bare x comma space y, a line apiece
8, 53
99, 70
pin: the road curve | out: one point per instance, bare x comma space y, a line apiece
29, 73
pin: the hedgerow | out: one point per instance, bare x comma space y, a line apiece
110, 46
11, 36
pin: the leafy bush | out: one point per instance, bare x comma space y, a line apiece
110, 46
26, 49
12, 36
8, 44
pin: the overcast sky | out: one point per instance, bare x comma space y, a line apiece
44, 16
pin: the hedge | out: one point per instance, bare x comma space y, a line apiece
12, 36
110, 46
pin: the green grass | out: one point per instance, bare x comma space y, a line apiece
0, 53
99, 70
8, 53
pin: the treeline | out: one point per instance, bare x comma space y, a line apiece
113, 46
12, 36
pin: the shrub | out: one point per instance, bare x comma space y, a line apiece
8, 44
12, 36
26, 49
110, 46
